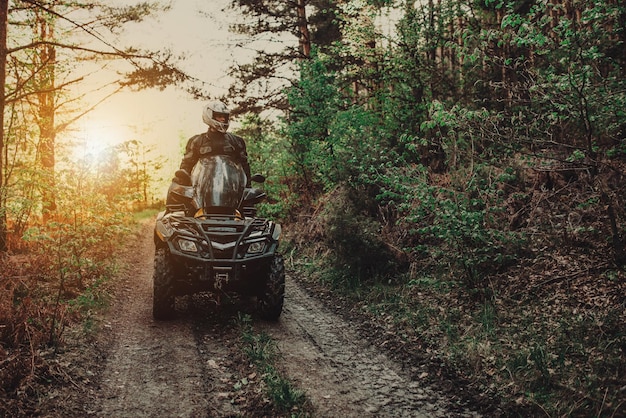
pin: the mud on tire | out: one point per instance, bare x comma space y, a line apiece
272, 296
163, 286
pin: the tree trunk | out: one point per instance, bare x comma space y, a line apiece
4, 12
305, 35
46, 117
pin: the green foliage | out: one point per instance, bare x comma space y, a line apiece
268, 155
314, 102
466, 139
88, 226
59, 279
86, 304
146, 214
460, 226
575, 76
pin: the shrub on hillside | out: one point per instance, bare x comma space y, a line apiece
358, 250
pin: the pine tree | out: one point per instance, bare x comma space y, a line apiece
297, 25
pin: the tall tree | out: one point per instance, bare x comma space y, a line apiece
4, 19
45, 62
43, 67
294, 24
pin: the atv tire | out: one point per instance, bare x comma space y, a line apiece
273, 294
163, 286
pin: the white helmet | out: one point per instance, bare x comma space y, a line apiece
214, 110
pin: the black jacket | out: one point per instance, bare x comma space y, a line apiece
215, 143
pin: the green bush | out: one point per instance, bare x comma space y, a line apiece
358, 251
457, 225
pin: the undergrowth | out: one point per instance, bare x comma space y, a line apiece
559, 351
57, 281
509, 285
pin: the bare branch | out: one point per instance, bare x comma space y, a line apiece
117, 53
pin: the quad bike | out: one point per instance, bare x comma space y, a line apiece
209, 239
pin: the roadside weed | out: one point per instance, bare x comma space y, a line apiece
263, 353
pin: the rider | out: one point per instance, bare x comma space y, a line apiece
215, 141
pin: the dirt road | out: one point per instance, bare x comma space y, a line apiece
190, 367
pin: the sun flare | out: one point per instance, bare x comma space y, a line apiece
95, 140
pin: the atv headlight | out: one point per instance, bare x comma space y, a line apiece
277, 231
256, 247
164, 229
187, 246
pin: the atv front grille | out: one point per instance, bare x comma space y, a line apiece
225, 237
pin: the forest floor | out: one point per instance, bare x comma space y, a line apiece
134, 366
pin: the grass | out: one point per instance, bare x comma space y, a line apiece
145, 214
263, 353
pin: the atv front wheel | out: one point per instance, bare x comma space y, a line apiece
163, 278
273, 294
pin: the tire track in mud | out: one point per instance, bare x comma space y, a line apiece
153, 367
159, 368
340, 372
149, 375
178, 368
